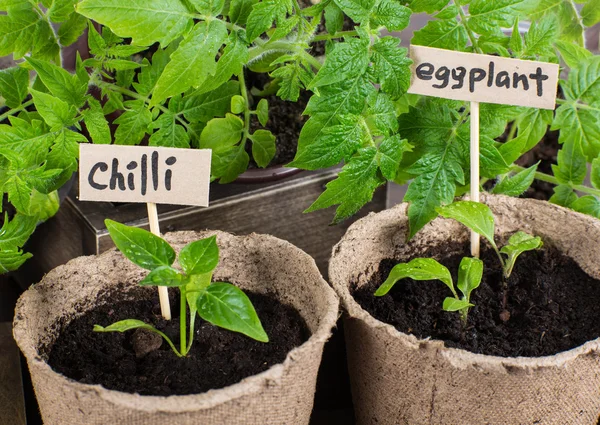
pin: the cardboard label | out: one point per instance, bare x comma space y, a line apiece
144, 174
483, 78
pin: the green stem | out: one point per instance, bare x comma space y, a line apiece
16, 110
325, 37
192, 330
512, 132
551, 179
576, 104
463, 19
311, 59
182, 320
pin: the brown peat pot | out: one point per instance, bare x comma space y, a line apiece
398, 378
282, 394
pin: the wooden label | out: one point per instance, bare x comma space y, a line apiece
483, 78
144, 174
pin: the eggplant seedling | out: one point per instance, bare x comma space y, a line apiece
470, 272
219, 303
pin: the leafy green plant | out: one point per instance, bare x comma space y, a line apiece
219, 303
470, 273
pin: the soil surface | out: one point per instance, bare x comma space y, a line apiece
285, 120
554, 305
218, 357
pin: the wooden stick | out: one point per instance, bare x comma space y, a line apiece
163, 292
475, 170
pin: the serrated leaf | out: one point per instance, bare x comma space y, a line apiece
285, 27
263, 147
18, 30
539, 40
347, 61
14, 233
417, 269
584, 81
61, 10
44, 205
19, 193
516, 43
470, 273
563, 196
149, 75
429, 6
12, 260
64, 153
132, 123
571, 168
63, 85
239, 10
262, 16
354, 186
571, 53
517, 184
571, 120
587, 205
205, 106
192, 62
56, 113
226, 306
390, 154
163, 276
170, 134
140, 246
145, 22
391, 66
486, 15
357, 10
444, 34
591, 13
208, 7
71, 30
199, 257
476, 216
262, 111
13, 85
294, 76
391, 15
96, 123
334, 18
381, 114
533, 125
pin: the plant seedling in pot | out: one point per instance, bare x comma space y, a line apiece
220, 303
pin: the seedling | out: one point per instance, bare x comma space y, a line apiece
219, 303
470, 272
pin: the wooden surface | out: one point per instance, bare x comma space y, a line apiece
12, 404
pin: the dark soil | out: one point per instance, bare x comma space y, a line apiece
554, 306
218, 357
285, 120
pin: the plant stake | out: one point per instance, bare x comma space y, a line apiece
475, 245
163, 291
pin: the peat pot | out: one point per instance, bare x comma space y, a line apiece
397, 378
282, 394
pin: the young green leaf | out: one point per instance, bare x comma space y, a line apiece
572, 53
262, 111
334, 18
357, 10
263, 147
208, 7
130, 324
517, 244
133, 123
226, 306
13, 85
417, 269
470, 273
163, 276
563, 196
200, 257
475, 215
238, 104
588, 204
56, 113
12, 260
220, 134
140, 246
14, 233
96, 124
517, 184
390, 154
262, 16
205, 106
391, 66
452, 304
64, 86
348, 60
391, 15
146, 22
447, 34
228, 165
571, 168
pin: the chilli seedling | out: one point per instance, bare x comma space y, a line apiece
219, 303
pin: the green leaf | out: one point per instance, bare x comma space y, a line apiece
64, 153
14, 233
163, 276
220, 134
239, 10
226, 306
228, 165
591, 13
517, 184
357, 10
132, 123
348, 60
65, 86
571, 53
572, 165
123, 326
192, 62
56, 113
70, 31
571, 120
263, 147
516, 41
238, 104
470, 273
96, 124
13, 85
334, 18
533, 125
12, 260
390, 154
42, 179
194, 289
262, 111
539, 40
448, 34
145, 22
19, 193
452, 304
584, 81
234, 57
353, 187
140, 246
417, 269
200, 257
563, 196
170, 134
293, 77
587, 205
429, 6
487, 15
44, 205
476, 216
517, 244
595, 173
391, 15
568, 17
205, 106
19, 31
61, 10
262, 16
381, 118
149, 75
391, 66
208, 7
